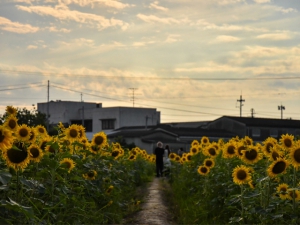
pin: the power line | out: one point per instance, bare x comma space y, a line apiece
9, 89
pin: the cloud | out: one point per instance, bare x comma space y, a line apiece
227, 2
226, 39
285, 11
155, 19
8, 25
155, 5
32, 47
55, 29
274, 36
62, 12
172, 38
141, 44
262, 1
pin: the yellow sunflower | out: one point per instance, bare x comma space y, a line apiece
41, 130
17, 157
177, 158
72, 133
11, 123
229, 150
51, 148
241, 175
172, 156
33, 135
251, 155
294, 156
210, 151
282, 190
247, 140
68, 163
43, 142
195, 143
81, 130
275, 154
10, 110
203, 170
99, 139
210, 163
277, 167
294, 194
287, 141
6, 138
204, 140
109, 189
188, 157
194, 150
36, 153
91, 175
268, 144
23, 133
131, 157
116, 154
240, 147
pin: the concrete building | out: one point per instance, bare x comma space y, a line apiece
96, 118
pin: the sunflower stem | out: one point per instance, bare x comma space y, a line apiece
242, 203
294, 185
18, 185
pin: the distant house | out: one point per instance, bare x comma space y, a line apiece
256, 128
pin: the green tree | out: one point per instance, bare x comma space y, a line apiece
28, 117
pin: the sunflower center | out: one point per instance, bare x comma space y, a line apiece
1, 136
212, 151
73, 133
115, 153
275, 155
23, 132
251, 155
297, 155
99, 140
240, 149
41, 130
194, 150
203, 169
43, 145
230, 150
189, 157
12, 124
31, 136
68, 164
288, 143
34, 152
283, 189
208, 163
17, 155
279, 167
90, 174
241, 175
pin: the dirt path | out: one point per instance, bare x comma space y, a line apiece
154, 210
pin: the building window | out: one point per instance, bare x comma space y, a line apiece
108, 124
255, 132
88, 124
274, 133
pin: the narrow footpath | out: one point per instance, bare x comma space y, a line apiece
154, 210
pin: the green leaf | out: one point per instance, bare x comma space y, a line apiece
17, 207
5, 177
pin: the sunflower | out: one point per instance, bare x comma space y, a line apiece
293, 194
95, 149
210, 163
99, 139
203, 170
72, 133
43, 142
11, 123
51, 148
6, 138
131, 157
275, 154
210, 151
68, 163
251, 155
268, 144
10, 110
41, 131
33, 135
109, 189
195, 143
91, 175
36, 153
282, 190
239, 149
204, 140
188, 157
81, 130
229, 150
294, 156
177, 158
287, 141
116, 154
241, 175
23, 132
17, 157
172, 156
61, 126
194, 150
248, 141
277, 167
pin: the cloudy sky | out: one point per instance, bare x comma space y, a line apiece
191, 59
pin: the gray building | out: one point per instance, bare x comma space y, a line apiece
96, 118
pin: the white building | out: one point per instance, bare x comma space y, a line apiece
96, 118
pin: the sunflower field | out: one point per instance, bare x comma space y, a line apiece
237, 182
67, 179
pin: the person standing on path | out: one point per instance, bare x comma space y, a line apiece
166, 160
159, 152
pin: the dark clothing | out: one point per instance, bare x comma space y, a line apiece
159, 152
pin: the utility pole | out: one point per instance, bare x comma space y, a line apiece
132, 99
252, 113
281, 107
241, 100
48, 87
